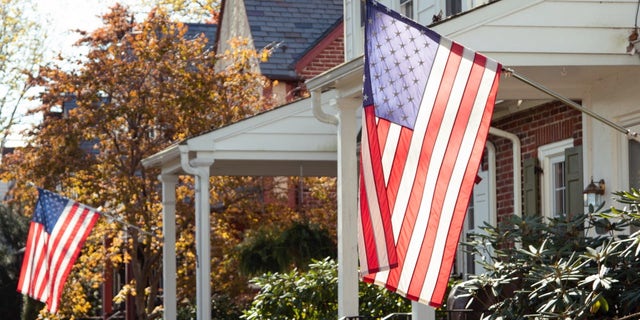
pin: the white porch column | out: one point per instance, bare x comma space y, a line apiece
200, 168
347, 208
421, 311
169, 182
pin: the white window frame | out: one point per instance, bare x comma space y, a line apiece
402, 4
548, 155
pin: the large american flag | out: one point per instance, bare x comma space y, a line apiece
58, 229
428, 103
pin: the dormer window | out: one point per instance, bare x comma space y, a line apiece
453, 7
406, 8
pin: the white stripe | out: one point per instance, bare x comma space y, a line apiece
362, 252
41, 279
439, 151
413, 155
31, 257
65, 234
389, 152
372, 198
417, 138
73, 244
28, 258
461, 165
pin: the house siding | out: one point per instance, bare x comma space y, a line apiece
534, 127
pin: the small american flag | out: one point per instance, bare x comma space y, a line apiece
56, 234
428, 104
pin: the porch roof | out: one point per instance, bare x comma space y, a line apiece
287, 140
568, 46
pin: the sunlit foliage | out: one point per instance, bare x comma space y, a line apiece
141, 87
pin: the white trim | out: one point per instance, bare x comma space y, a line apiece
630, 121
546, 154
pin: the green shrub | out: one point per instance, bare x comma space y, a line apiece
314, 295
562, 268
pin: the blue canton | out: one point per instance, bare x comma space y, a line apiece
399, 58
48, 209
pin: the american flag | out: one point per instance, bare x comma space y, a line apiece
58, 229
427, 103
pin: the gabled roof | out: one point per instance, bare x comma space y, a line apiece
285, 141
293, 26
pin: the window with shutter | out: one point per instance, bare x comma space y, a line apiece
453, 7
406, 8
562, 182
574, 181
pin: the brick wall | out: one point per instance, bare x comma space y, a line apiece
329, 57
535, 127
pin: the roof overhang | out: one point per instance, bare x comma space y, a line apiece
286, 141
567, 46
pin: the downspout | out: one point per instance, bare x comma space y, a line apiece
493, 204
316, 103
517, 167
199, 167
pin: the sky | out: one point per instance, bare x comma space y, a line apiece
60, 18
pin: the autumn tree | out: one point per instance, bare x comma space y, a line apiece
141, 87
21, 39
198, 10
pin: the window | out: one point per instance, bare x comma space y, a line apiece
478, 213
562, 185
558, 186
453, 7
406, 8
634, 164
470, 267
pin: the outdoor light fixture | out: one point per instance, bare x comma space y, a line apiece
594, 193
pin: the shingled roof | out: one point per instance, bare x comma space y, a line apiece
209, 30
293, 26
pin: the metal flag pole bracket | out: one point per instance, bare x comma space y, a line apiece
508, 72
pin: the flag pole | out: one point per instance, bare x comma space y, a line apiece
630, 134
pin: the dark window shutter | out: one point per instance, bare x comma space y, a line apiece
531, 187
574, 181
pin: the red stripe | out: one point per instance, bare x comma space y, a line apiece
397, 168
461, 206
56, 294
66, 245
378, 176
41, 266
383, 132
28, 254
444, 178
417, 190
369, 239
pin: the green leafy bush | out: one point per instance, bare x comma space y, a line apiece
581, 267
314, 295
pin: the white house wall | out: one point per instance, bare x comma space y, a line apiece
547, 32
618, 98
534, 32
